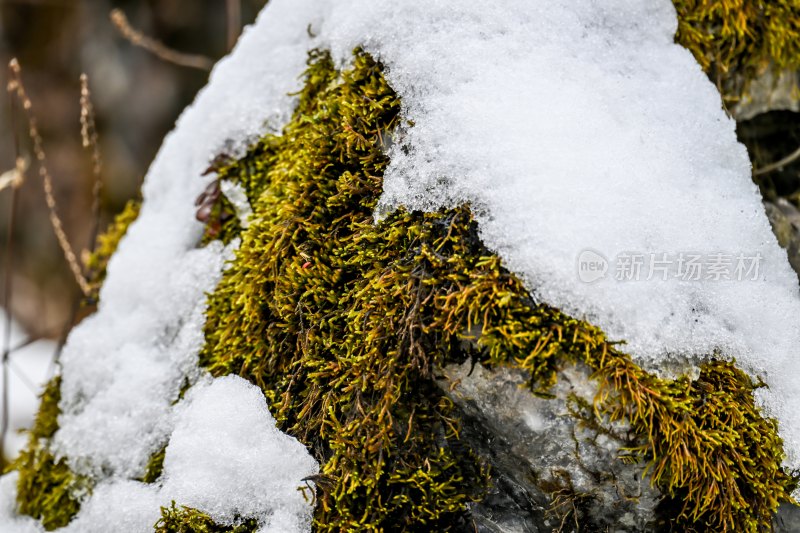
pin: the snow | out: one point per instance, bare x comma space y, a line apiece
581, 125
566, 125
124, 366
225, 457
226, 442
28, 371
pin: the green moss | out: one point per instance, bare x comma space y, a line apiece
295, 314
155, 466
342, 323
736, 40
184, 519
47, 489
96, 262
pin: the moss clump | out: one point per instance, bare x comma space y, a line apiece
155, 466
95, 262
184, 519
302, 313
736, 40
47, 489
708, 447
342, 323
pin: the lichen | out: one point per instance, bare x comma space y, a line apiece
184, 519
96, 262
343, 323
46, 488
736, 40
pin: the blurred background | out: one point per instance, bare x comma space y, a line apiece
136, 98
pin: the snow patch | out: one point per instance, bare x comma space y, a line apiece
29, 369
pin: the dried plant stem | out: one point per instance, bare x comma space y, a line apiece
90, 140
8, 285
15, 86
157, 48
778, 164
233, 9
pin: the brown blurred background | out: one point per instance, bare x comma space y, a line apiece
137, 98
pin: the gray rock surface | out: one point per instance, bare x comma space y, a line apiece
785, 220
769, 92
551, 472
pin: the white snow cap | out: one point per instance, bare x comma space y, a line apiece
225, 457
580, 130
568, 126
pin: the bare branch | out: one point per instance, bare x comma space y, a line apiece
778, 164
158, 48
15, 87
234, 19
89, 138
8, 286
13, 178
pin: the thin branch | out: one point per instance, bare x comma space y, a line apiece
158, 48
15, 87
8, 285
23, 378
233, 9
89, 139
778, 164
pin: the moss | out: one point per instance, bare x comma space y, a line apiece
47, 489
342, 323
299, 313
155, 466
184, 519
95, 263
736, 40
217, 212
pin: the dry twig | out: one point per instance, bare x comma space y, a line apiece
778, 164
233, 9
15, 185
15, 86
158, 48
89, 139
13, 178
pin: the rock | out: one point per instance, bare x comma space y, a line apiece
551, 470
785, 220
769, 92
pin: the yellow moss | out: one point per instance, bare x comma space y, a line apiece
184, 519
96, 262
342, 323
155, 466
47, 489
735, 40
